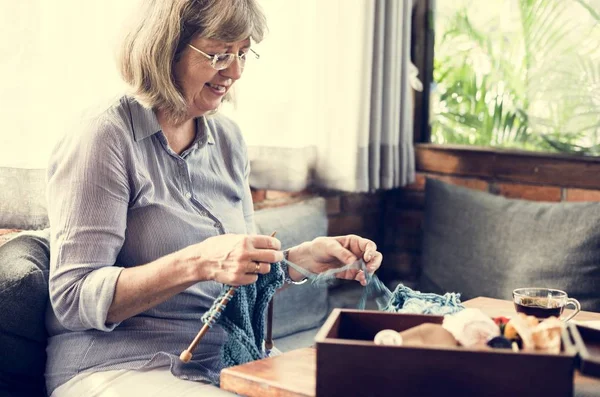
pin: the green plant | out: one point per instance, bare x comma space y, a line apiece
530, 80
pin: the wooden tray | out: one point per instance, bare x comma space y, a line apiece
350, 364
587, 343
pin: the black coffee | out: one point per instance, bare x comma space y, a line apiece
539, 307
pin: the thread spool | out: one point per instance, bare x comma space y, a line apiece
388, 337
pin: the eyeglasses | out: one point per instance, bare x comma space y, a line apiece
222, 61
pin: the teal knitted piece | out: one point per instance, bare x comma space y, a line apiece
244, 319
405, 300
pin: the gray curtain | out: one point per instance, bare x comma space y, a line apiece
388, 162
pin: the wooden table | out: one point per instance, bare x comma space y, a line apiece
293, 374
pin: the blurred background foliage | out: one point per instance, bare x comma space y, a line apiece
521, 74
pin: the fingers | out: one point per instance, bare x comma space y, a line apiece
374, 263
353, 274
340, 252
361, 278
239, 259
364, 248
258, 268
244, 279
266, 256
264, 249
248, 273
264, 242
370, 249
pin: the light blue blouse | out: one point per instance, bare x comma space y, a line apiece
119, 197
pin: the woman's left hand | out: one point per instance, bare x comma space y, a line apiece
324, 253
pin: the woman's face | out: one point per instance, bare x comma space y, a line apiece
203, 86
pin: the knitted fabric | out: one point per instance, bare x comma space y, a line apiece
405, 300
244, 319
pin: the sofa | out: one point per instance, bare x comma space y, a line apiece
299, 311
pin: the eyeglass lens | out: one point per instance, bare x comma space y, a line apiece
223, 61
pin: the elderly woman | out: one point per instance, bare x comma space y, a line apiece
151, 212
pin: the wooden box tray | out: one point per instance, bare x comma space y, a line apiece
350, 364
587, 343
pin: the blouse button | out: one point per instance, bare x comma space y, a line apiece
188, 195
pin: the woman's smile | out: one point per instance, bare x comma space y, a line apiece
217, 89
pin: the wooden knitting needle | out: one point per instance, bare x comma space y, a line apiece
186, 355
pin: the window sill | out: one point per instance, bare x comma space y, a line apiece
509, 165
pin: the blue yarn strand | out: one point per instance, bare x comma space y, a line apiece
402, 300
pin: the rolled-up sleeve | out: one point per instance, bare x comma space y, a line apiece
88, 196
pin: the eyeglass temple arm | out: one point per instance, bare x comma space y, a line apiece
214, 57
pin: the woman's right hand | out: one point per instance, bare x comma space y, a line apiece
234, 259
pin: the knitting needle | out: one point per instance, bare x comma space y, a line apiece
186, 355
269, 339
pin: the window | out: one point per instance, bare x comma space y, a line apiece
521, 74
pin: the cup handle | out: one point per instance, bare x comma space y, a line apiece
575, 303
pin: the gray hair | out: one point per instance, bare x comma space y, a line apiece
154, 42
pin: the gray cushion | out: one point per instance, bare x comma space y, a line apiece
280, 168
23, 298
298, 340
23, 198
298, 307
480, 244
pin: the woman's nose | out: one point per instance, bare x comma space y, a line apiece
234, 71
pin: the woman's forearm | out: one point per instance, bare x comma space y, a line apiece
232, 259
143, 287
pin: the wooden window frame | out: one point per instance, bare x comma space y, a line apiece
474, 161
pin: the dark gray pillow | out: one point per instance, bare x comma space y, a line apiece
24, 263
298, 307
480, 244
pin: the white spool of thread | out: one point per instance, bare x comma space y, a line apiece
388, 337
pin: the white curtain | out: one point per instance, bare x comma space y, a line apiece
329, 101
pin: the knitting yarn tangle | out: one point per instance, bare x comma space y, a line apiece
402, 300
